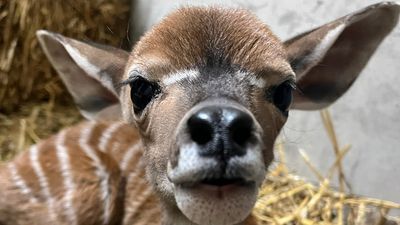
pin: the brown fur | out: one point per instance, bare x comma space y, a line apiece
201, 35
125, 201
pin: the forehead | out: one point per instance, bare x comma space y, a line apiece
209, 37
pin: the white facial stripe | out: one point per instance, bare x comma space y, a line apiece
63, 158
19, 182
44, 185
101, 171
88, 67
251, 78
107, 135
191, 75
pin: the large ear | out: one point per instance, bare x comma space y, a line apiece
328, 59
90, 72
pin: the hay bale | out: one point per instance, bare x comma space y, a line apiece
33, 122
25, 73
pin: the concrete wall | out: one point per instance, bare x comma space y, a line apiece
367, 116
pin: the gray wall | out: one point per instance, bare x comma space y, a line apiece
366, 116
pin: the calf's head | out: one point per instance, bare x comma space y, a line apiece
209, 90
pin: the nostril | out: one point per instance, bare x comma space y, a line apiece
241, 129
200, 129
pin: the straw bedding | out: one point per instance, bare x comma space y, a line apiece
34, 104
288, 199
25, 74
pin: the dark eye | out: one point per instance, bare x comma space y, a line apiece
282, 96
142, 92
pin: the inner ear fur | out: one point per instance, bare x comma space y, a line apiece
91, 73
328, 59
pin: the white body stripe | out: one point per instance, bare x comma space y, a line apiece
116, 147
63, 158
101, 171
19, 182
128, 155
191, 74
139, 199
134, 175
44, 185
107, 135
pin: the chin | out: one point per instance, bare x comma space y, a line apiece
216, 204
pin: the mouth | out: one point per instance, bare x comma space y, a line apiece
218, 185
221, 182
216, 182
208, 192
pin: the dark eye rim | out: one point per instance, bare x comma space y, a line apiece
271, 91
156, 90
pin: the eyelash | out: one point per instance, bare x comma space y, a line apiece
142, 92
127, 81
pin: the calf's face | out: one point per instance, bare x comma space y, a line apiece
209, 90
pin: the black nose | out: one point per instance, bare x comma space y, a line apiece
221, 131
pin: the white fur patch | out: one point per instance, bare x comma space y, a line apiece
191, 75
251, 78
252, 163
204, 207
64, 159
43, 182
191, 165
19, 182
101, 171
